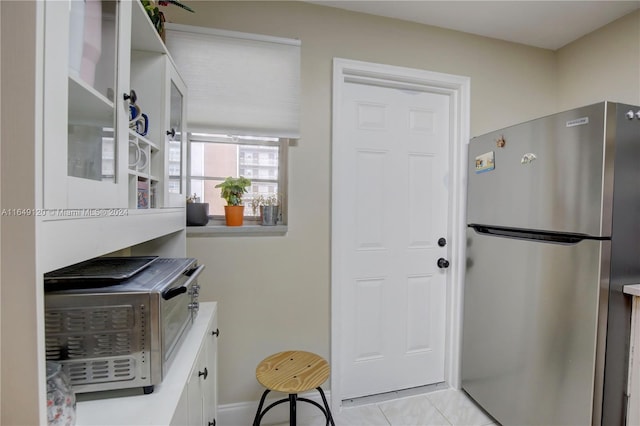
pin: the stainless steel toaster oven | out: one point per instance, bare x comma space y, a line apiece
116, 323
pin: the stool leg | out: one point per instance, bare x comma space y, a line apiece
292, 409
326, 406
256, 421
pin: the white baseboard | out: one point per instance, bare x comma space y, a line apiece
243, 413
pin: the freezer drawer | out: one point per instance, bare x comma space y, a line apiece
530, 328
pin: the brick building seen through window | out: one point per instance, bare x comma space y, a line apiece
214, 157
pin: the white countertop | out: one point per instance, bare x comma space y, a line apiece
156, 408
632, 289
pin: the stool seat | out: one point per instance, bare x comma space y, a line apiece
292, 371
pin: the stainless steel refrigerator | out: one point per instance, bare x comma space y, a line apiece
553, 213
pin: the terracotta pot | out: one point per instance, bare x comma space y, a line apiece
234, 215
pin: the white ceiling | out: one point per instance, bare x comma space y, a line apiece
546, 24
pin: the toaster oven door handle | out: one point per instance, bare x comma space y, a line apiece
175, 291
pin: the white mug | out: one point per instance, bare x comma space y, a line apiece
137, 156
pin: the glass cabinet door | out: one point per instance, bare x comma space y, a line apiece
92, 81
81, 155
174, 140
175, 164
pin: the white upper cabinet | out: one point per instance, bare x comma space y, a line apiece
113, 126
111, 96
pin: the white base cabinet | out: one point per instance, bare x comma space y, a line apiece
201, 390
185, 396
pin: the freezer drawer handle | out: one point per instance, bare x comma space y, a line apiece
543, 236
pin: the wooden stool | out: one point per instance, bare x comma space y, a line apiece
292, 372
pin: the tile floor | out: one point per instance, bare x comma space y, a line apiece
439, 408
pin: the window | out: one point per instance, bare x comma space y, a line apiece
226, 72
213, 157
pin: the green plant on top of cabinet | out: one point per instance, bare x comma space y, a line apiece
157, 17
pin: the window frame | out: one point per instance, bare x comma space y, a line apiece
283, 167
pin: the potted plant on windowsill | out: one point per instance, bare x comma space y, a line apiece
197, 212
269, 206
232, 189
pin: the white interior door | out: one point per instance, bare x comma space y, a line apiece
391, 206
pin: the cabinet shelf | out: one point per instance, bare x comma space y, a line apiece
140, 174
143, 139
88, 106
151, 178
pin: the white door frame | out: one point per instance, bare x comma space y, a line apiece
458, 90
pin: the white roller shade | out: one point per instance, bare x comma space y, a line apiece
238, 83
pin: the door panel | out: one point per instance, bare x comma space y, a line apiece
393, 169
529, 331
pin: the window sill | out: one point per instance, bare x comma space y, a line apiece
219, 229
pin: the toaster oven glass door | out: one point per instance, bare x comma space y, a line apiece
179, 307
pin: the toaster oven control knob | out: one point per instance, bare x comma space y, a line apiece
194, 306
195, 290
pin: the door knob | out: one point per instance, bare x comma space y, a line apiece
442, 242
131, 97
443, 263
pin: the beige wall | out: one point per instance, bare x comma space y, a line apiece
603, 65
20, 301
274, 291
